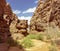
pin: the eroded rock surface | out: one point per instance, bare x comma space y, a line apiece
22, 26
47, 14
18, 26
4, 27
8, 21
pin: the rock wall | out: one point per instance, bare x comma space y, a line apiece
8, 13
18, 26
4, 27
47, 14
6, 18
9, 22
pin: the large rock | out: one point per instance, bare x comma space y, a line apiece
47, 14
22, 24
18, 26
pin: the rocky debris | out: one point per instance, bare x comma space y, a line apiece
46, 15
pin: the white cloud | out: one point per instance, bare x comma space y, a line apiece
30, 10
25, 18
16, 11
36, 1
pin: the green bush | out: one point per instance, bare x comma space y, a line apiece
27, 43
31, 36
36, 36
40, 37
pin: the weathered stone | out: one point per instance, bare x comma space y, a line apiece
22, 24
17, 25
4, 27
13, 24
48, 11
8, 21
23, 31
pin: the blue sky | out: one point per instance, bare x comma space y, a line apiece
23, 8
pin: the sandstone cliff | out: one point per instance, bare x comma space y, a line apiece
47, 14
4, 27
18, 26
9, 22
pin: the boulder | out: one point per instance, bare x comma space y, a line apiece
22, 24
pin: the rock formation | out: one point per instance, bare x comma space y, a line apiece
4, 27
22, 26
18, 26
9, 22
47, 14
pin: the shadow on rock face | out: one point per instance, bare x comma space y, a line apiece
6, 41
5, 35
